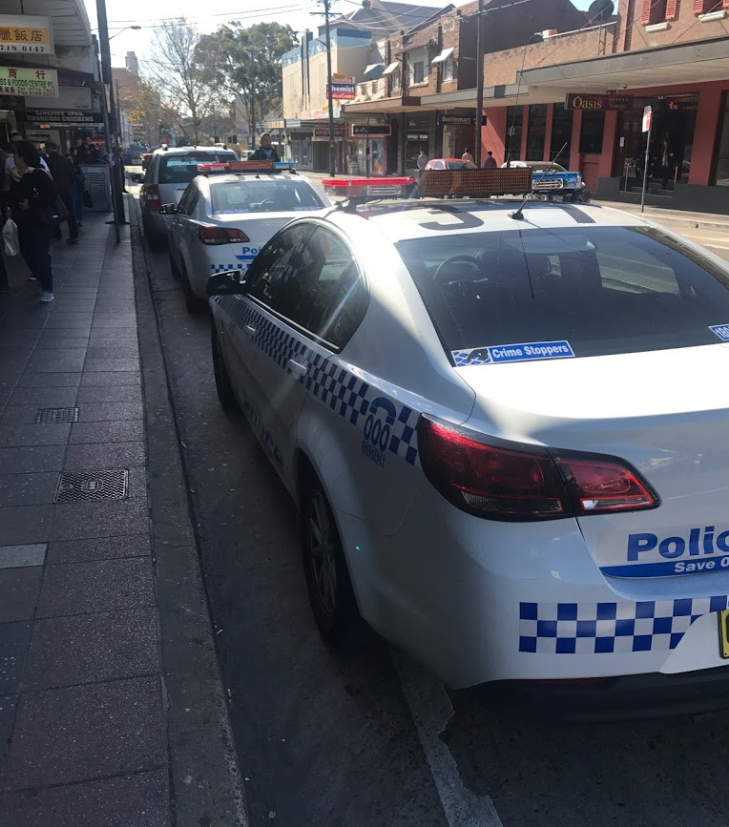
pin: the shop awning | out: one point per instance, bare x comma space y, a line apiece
443, 56
68, 18
382, 106
680, 63
391, 67
374, 69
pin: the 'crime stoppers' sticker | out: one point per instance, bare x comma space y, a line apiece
721, 330
524, 352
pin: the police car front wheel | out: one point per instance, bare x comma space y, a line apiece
327, 579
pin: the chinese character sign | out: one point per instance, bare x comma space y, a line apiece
26, 34
40, 83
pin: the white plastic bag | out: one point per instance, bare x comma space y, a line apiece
11, 246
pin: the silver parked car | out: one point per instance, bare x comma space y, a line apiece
168, 173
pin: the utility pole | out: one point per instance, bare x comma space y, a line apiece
252, 105
479, 82
332, 146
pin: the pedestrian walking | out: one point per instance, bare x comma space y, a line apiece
77, 189
32, 200
490, 162
265, 151
10, 158
422, 162
467, 157
4, 283
64, 176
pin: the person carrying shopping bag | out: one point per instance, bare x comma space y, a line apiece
32, 201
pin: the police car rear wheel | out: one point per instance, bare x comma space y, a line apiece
222, 381
330, 590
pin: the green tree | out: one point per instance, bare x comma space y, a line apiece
246, 62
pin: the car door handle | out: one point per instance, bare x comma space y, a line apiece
250, 330
297, 367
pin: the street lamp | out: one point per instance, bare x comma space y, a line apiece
126, 29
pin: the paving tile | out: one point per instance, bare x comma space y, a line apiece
111, 393
140, 800
96, 586
33, 459
8, 380
49, 380
103, 548
106, 456
17, 436
57, 361
85, 732
45, 397
63, 343
114, 320
121, 431
106, 518
117, 364
109, 411
14, 362
18, 557
19, 590
27, 489
104, 379
25, 524
122, 350
91, 648
14, 647
82, 327
19, 414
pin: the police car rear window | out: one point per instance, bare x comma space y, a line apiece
604, 290
264, 195
181, 169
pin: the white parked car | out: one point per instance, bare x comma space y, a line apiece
224, 218
508, 440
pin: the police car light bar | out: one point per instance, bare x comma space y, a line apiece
476, 183
247, 166
369, 187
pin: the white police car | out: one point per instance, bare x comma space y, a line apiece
227, 213
508, 438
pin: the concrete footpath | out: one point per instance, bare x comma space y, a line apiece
112, 712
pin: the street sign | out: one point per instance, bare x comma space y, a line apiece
458, 120
342, 91
348, 79
38, 83
598, 103
26, 34
647, 118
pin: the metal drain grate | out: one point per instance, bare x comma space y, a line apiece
55, 416
86, 486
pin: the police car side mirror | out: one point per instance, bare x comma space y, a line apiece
168, 209
226, 284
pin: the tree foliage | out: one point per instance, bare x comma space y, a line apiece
143, 104
246, 62
177, 75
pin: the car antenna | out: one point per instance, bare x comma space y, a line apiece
519, 214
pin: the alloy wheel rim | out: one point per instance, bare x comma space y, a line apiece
322, 554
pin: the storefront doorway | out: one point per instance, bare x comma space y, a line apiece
672, 142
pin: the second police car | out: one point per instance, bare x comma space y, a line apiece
227, 213
508, 436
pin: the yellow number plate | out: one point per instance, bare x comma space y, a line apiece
724, 633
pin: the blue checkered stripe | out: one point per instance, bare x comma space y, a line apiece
606, 628
346, 394
224, 268
466, 357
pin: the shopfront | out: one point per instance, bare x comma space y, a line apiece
367, 148
457, 133
419, 134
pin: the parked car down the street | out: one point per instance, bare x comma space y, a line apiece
500, 434
168, 173
224, 218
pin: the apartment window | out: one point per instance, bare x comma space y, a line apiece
449, 68
419, 71
721, 166
707, 6
659, 11
396, 79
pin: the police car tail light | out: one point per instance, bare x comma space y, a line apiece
604, 485
221, 235
511, 481
490, 480
153, 198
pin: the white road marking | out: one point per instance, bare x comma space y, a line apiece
716, 246
431, 709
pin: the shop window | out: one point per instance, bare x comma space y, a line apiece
536, 132
514, 123
591, 134
721, 164
562, 133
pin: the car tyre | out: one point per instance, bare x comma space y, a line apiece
223, 385
327, 579
174, 269
157, 243
192, 303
